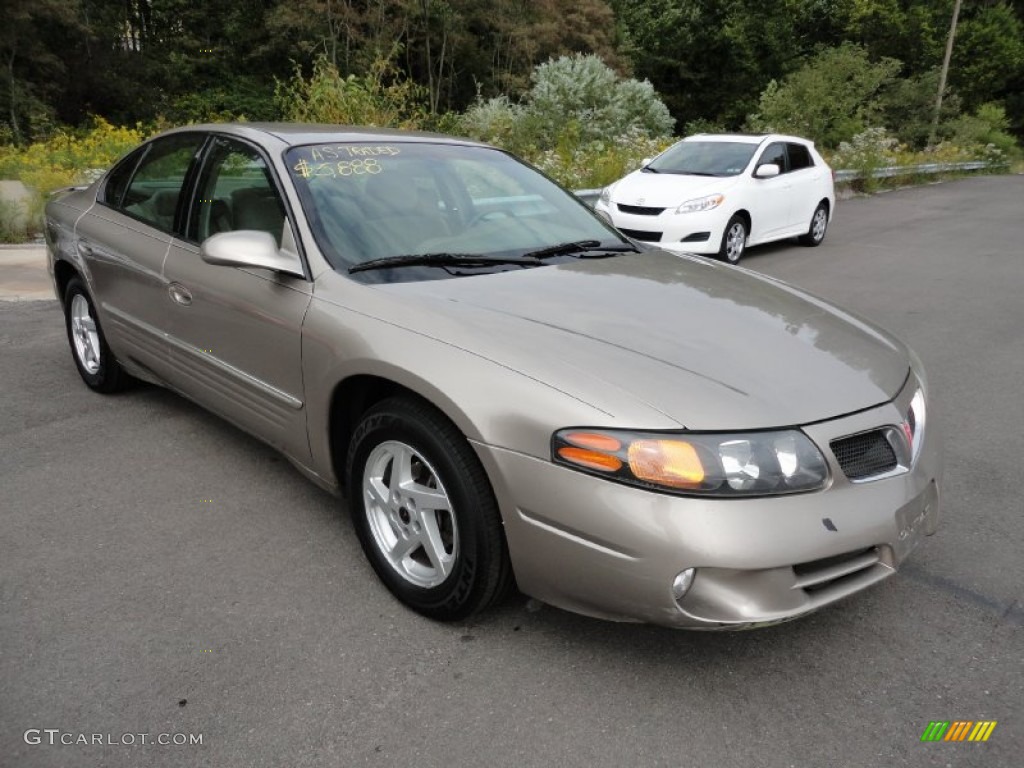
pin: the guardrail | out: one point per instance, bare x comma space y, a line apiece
892, 171
590, 196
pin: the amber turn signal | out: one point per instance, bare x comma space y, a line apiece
590, 459
673, 463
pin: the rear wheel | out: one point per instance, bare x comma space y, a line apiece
95, 362
734, 241
819, 224
424, 511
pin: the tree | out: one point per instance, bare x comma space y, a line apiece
31, 67
836, 95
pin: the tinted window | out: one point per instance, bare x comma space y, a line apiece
154, 190
775, 153
799, 157
235, 192
118, 179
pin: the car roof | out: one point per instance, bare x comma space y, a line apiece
747, 138
293, 134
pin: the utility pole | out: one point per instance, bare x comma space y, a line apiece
945, 71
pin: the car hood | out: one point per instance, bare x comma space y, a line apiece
709, 346
667, 190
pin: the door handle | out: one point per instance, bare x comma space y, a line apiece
180, 294
84, 250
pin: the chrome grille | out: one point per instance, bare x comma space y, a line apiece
864, 455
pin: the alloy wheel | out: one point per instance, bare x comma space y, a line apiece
410, 514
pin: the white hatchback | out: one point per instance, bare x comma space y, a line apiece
718, 194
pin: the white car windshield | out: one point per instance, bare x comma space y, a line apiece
394, 201
704, 158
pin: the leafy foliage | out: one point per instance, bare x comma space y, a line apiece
574, 101
835, 96
382, 97
65, 159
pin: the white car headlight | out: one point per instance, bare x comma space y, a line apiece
708, 464
705, 203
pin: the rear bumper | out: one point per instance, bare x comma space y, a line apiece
608, 550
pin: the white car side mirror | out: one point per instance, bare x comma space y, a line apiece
645, 162
767, 171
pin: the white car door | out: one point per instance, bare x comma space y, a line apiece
770, 198
806, 186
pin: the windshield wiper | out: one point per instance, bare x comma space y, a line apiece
648, 169
441, 260
587, 249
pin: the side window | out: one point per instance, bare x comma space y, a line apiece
799, 157
155, 188
235, 192
775, 153
117, 180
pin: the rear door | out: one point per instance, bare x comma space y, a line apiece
806, 185
125, 237
236, 332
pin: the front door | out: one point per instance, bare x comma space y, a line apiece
237, 332
769, 210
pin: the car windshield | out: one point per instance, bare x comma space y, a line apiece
705, 158
402, 201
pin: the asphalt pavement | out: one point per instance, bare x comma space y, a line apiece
163, 576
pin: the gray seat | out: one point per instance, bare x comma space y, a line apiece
257, 209
158, 209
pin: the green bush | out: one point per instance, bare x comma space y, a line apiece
383, 97
12, 225
65, 158
574, 100
986, 130
836, 95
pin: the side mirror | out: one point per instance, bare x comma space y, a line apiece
249, 248
645, 162
767, 171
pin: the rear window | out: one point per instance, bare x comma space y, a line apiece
799, 157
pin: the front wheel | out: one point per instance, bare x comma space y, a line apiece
424, 511
816, 232
734, 241
95, 362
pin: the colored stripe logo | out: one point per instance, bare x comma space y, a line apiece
958, 730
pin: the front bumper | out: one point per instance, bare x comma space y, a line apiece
699, 232
608, 550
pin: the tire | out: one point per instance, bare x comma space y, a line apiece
96, 364
446, 564
734, 240
819, 225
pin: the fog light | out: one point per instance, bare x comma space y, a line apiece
681, 584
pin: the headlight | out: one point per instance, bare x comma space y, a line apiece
606, 195
913, 425
701, 204
719, 464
